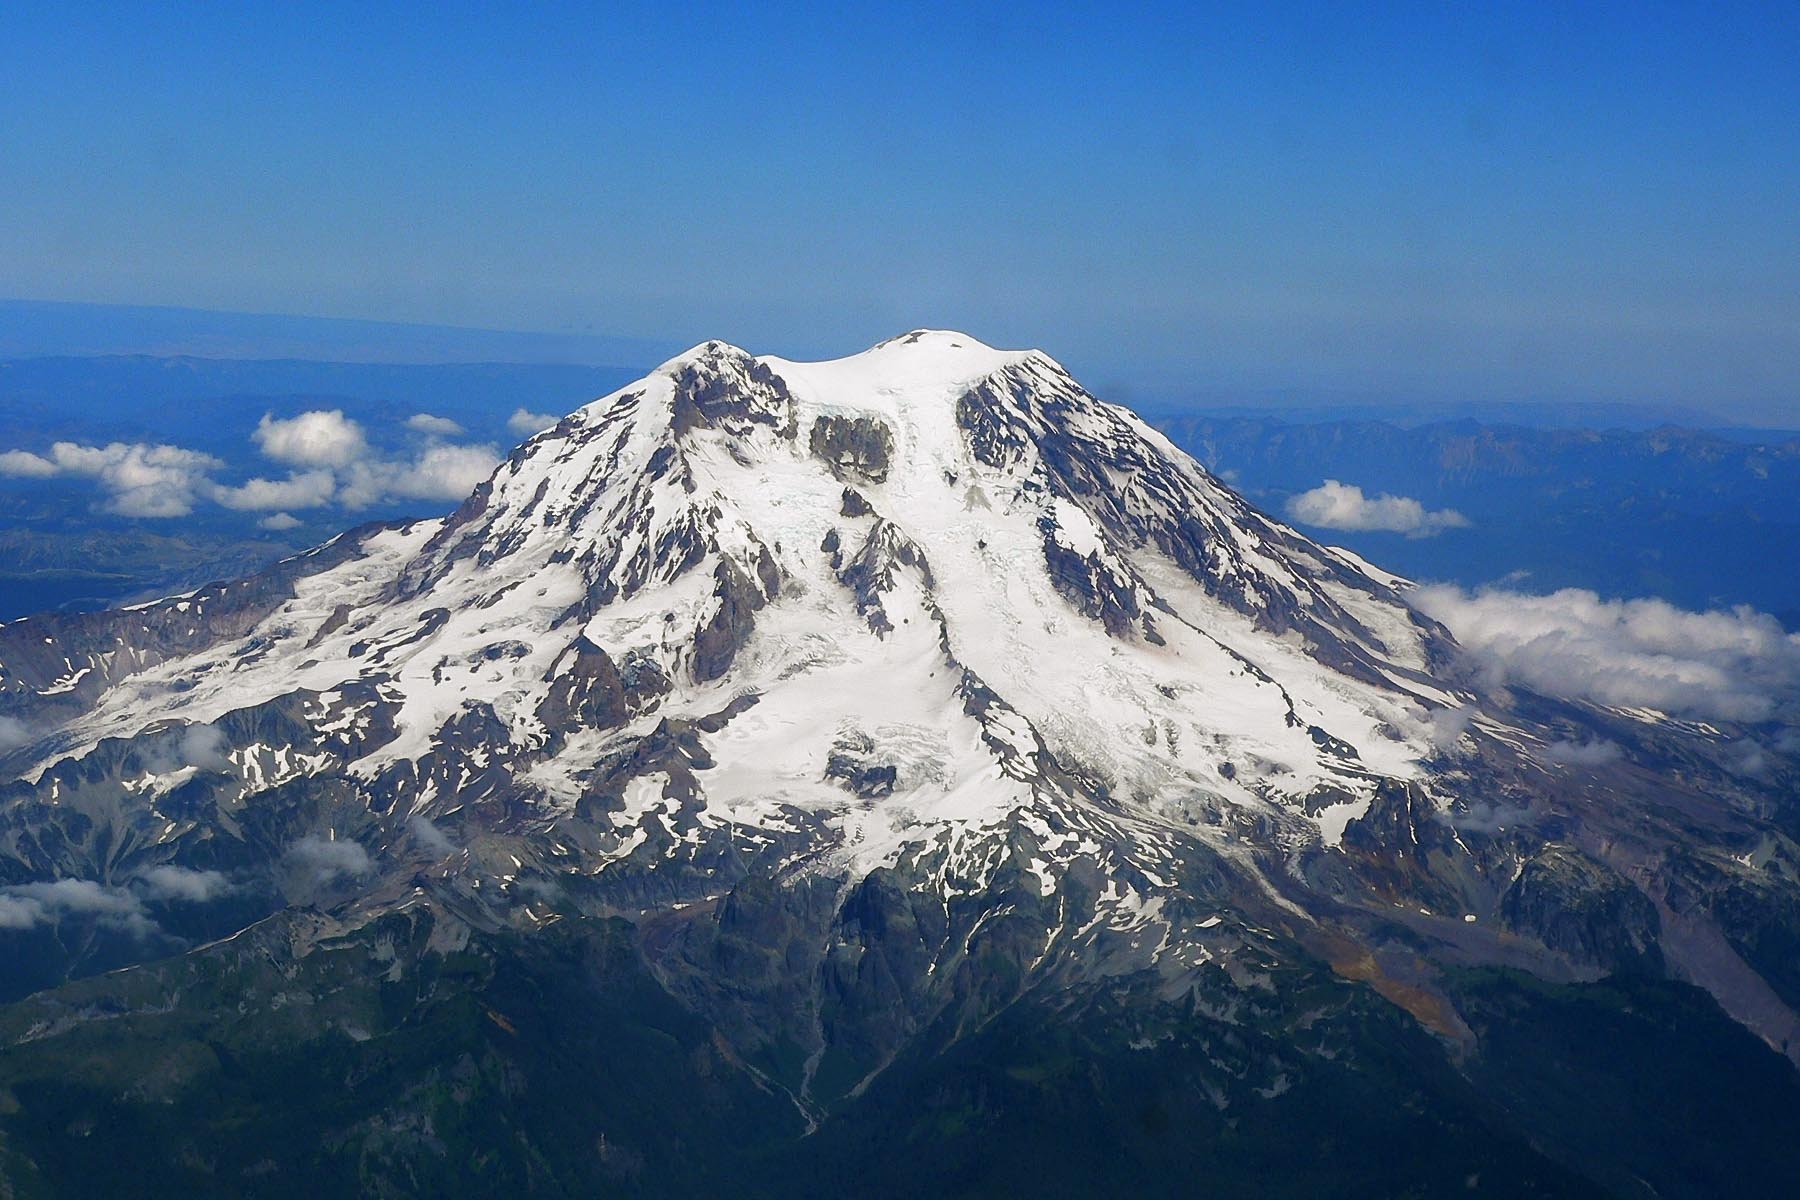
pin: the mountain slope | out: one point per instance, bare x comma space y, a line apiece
880, 698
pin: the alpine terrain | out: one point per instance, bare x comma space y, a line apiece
900, 775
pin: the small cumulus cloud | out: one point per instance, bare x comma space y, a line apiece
1334, 505
433, 426
1737, 665
524, 423
302, 489
22, 464
203, 746
445, 472
172, 883
350, 473
429, 837
29, 905
328, 859
325, 438
137, 479
329, 457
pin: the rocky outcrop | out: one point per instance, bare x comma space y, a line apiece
1579, 907
854, 448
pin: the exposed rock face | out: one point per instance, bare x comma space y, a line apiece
1575, 905
855, 448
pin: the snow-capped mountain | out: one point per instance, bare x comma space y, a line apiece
876, 694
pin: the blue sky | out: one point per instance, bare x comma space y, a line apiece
1552, 202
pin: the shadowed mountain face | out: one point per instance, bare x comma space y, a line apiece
905, 768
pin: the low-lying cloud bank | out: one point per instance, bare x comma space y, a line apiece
1334, 505
329, 459
1737, 665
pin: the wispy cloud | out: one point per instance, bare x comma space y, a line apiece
1593, 752
523, 423
328, 859
1334, 505
28, 905
435, 426
13, 734
25, 905
173, 883
429, 837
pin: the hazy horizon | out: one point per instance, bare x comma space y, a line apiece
1532, 204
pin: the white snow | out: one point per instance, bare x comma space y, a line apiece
587, 533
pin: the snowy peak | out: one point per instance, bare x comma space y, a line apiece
854, 549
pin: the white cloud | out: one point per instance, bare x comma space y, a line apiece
327, 859
168, 882
1444, 727
429, 837
139, 479
1739, 665
13, 734
1334, 505
358, 477
302, 489
445, 472
523, 423
332, 457
365, 483
312, 439
25, 905
433, 426
203, 746
23, 464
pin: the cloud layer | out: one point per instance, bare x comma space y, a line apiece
1334, 505
1739, 665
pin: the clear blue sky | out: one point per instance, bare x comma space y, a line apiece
1528, 201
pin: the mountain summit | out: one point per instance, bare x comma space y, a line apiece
834, 715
